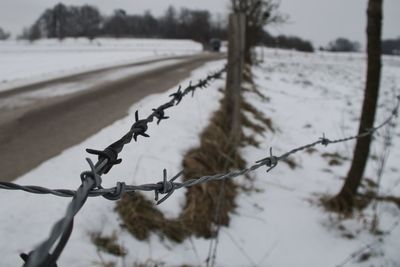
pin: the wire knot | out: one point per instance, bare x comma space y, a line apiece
159, 113
118, 192
166, 187
139, 127
177, 95
324, 141
110, 154
92, 174
271, 161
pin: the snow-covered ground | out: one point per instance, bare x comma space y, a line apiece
23, 63
282, 224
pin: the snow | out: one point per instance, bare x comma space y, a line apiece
23, 63
283, 224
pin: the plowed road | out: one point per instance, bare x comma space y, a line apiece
34, 128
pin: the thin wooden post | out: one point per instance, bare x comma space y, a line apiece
236, 46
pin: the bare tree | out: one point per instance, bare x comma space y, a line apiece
89, 20
344, 201
343, 45
258, 14
3, 34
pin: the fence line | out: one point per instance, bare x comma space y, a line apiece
168, 186
91, 180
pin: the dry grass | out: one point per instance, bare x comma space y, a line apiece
250, 140
248, 74
335, 159
108, 244
141, 218
257, 128
258, 115
216, 154
291, 163
253, 89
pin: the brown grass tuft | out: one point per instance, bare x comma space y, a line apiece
108, 244
141, 217
250, 140
258, 115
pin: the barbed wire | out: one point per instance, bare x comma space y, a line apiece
91, 180
168, 186
91, 183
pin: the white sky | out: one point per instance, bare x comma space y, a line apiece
318, 20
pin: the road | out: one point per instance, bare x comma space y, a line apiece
34, 129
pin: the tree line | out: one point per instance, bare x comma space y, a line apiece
287, 42
391, 46
63, 21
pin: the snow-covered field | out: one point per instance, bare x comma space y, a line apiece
282, 224
23, 63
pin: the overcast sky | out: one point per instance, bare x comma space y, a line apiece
317, 20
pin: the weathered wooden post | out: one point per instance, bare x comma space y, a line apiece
236, 46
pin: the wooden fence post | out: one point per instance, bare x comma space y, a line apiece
236, 46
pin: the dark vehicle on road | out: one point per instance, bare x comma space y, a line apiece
215, 44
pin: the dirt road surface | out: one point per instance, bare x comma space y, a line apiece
35, 131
